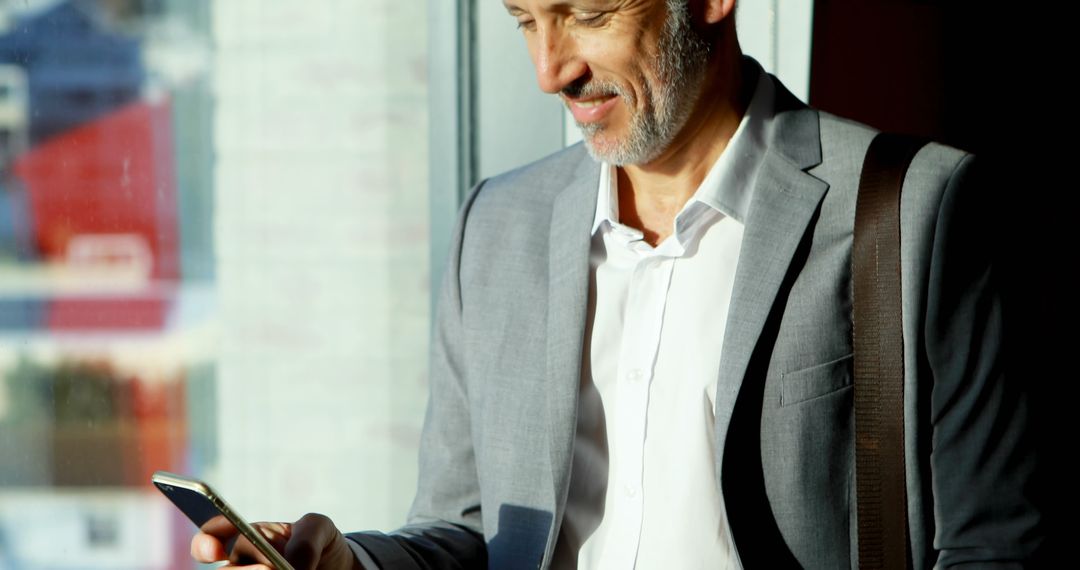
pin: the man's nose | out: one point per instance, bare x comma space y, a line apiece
556, 59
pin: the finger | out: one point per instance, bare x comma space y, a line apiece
310, 536
220, 527
244, 552
277, 534
207, 549
223, 541
214, 541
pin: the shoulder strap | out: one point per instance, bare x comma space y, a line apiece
878, 340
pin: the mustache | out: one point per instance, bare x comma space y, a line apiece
590, 87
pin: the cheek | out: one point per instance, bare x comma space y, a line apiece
614, 64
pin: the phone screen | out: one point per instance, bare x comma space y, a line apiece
196, 506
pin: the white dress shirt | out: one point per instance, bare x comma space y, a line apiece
643, 487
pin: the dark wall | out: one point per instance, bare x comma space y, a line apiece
989, 78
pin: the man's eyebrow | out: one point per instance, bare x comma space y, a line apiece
514, 10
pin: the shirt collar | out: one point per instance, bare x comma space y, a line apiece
729, 185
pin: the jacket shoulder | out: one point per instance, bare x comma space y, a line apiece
844, 143
535, 184
506, 220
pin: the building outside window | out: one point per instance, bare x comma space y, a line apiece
214, 260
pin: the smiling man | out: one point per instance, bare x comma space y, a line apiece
643, 347
654, 95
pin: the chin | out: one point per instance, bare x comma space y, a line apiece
613, 152
604, 148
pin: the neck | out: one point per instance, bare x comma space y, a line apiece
650, 195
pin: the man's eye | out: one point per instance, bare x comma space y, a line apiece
589, 18
525, 24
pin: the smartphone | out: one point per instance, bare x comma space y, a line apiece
200, 503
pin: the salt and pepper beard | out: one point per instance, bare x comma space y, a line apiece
682, 56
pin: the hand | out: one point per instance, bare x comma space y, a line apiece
311, 543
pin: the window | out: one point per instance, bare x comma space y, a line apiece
214, 260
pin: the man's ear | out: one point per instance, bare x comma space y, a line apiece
717, 10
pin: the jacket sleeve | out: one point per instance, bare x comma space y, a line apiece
982, 461
444, 528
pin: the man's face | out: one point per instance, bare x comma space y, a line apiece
630, 71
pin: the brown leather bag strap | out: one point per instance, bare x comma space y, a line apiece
878, 340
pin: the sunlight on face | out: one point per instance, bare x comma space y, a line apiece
678, 69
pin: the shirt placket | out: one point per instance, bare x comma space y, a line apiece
646, 300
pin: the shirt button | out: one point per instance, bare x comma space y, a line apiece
635, 376
631, 491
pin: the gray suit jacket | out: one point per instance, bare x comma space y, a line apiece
505, 369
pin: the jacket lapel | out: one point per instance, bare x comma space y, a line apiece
784, 202
568, 298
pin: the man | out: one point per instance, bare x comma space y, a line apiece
642, 352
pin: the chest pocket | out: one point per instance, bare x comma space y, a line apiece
816, 381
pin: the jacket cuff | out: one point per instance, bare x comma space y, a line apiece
375, 551
362, 555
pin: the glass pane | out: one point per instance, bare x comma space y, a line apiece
213, 261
